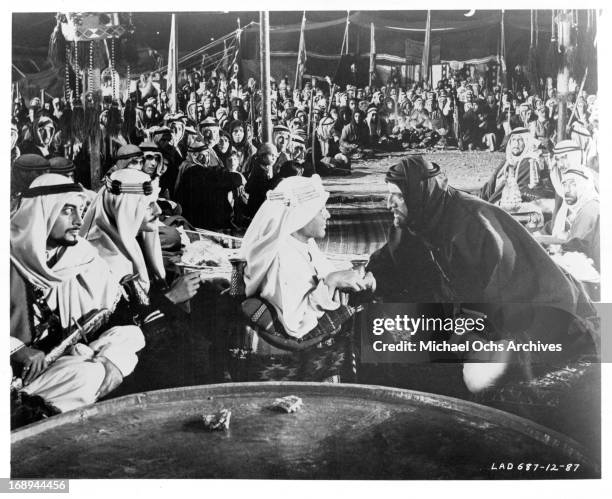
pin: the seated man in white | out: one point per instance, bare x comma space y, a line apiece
285, 268
575, 225
283, 262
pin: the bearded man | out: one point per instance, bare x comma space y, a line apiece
449, 247
57, 278
577, 220
521, 161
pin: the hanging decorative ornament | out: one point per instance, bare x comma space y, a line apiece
128, 77
91, 67
67, 88
114, 79
108, 83
532, 69
77, 71
552, 55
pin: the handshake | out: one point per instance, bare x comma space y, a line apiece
350, 280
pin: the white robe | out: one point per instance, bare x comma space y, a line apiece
295, 285
74, 380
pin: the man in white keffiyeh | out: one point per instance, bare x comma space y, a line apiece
283, 262
122, 223
522, 162
577, 221
56, 273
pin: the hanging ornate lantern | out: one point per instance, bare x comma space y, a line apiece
92, 28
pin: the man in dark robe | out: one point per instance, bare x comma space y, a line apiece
446, 246
172, 160
203, 192
259, 181
355, 136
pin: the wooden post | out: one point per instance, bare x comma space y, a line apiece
172, 67
95, 167
564, 30
264, 43
426, 60
313, 137
406, 61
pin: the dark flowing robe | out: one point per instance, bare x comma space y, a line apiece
203, 195
354, 136
257, 186
492, 190
457, 248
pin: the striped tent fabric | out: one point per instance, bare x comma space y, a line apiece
356, 227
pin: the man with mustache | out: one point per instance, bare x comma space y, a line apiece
56, 278
577, 220
521, 161
446, 246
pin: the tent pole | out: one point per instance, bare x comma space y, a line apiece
426, 61
564, 20
264, 44
313, 130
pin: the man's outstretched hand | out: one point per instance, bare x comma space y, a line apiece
32, 361
184, 288
350, 280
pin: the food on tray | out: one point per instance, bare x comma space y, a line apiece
218, 421
205, 253
290, 403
